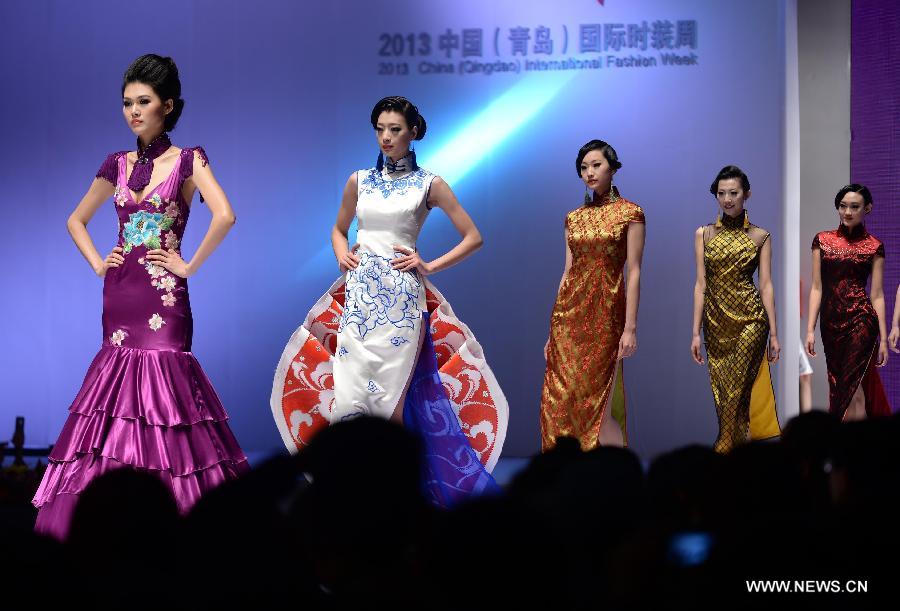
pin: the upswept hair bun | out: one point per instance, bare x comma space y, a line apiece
730, 171
161, 74
606, 149
854, 187
406, 108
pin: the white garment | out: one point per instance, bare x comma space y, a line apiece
805, 368
325, 370
380, 329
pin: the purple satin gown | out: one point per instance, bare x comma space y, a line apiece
145, 401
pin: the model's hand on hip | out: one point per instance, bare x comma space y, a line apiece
113, 259
350, 260
170, 260
409, 261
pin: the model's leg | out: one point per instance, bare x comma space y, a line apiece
857, 408
805, 393
610, 431
397, 414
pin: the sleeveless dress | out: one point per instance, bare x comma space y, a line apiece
378, 331
849, 323
585, 327
736, 333
145, 402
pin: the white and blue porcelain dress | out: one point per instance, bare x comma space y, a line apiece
378, 333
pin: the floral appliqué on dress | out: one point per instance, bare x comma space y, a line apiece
120, 197
378, 294
156, 322
166, 283
144, 229
374, 181
118, 337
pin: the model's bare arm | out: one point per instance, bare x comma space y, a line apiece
346, 256
99, 191
699, 295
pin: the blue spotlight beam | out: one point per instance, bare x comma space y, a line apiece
490, 128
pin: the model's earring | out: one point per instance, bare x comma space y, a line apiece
613, 193
380, 163
412, 160
588, 195
746, 221
718, 222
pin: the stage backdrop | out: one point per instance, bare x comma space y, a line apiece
279, 94
875, 147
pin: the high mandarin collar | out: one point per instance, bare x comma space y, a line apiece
610, 197
734, 222
856, 233
404, 165
143, 166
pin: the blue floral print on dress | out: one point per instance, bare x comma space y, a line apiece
142, 229
374, 181
378, 294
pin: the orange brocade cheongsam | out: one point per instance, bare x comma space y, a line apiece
587, 322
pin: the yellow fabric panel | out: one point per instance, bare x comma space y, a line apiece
617, 403
763, 416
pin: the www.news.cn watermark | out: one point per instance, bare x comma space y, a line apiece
801, 586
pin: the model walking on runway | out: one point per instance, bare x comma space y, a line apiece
738, 319
853, 325
594, 321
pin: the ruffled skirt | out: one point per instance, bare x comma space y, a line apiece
146, 409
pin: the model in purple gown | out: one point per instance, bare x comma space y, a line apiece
145, 402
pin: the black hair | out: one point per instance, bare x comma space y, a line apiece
161, 74
406, 108
605, 149
853, 188
730, 171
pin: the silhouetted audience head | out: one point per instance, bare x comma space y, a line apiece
544, 469
121, 511
683, 487
364, 513
865, 467
125, 530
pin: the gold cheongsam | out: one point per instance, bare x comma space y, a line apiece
736, 333
586, 325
